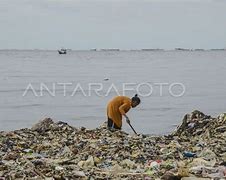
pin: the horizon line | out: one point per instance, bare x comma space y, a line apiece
118, 49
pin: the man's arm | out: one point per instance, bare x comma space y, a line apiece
122, 111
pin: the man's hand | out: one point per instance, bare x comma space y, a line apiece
127, 118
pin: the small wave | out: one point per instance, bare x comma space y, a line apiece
11, 90
156, 109
22, 106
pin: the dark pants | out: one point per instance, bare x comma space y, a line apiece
111, 124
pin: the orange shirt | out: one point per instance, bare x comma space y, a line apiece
117, 107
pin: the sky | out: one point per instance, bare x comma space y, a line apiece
124, 24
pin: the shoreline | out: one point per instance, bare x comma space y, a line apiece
197, 148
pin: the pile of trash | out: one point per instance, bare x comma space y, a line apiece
56, 150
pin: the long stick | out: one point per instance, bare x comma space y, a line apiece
132, 128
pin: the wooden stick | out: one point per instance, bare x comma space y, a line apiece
132, 128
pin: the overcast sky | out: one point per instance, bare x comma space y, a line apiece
124, 24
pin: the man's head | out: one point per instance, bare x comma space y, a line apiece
135, 101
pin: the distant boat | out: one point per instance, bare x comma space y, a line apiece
182, 49
62, 51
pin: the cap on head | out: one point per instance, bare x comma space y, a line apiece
135, 100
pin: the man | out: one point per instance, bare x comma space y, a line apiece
118, 107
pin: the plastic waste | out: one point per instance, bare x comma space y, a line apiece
189, 154
56, 150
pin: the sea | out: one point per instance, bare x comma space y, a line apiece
75, 88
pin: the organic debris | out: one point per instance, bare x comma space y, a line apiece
49, 150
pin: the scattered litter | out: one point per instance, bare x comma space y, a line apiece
195, 150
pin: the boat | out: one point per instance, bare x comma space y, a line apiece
62, 51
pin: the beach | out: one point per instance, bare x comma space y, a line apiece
131, 90
56, 150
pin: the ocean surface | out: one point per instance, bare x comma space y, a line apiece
76, 87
